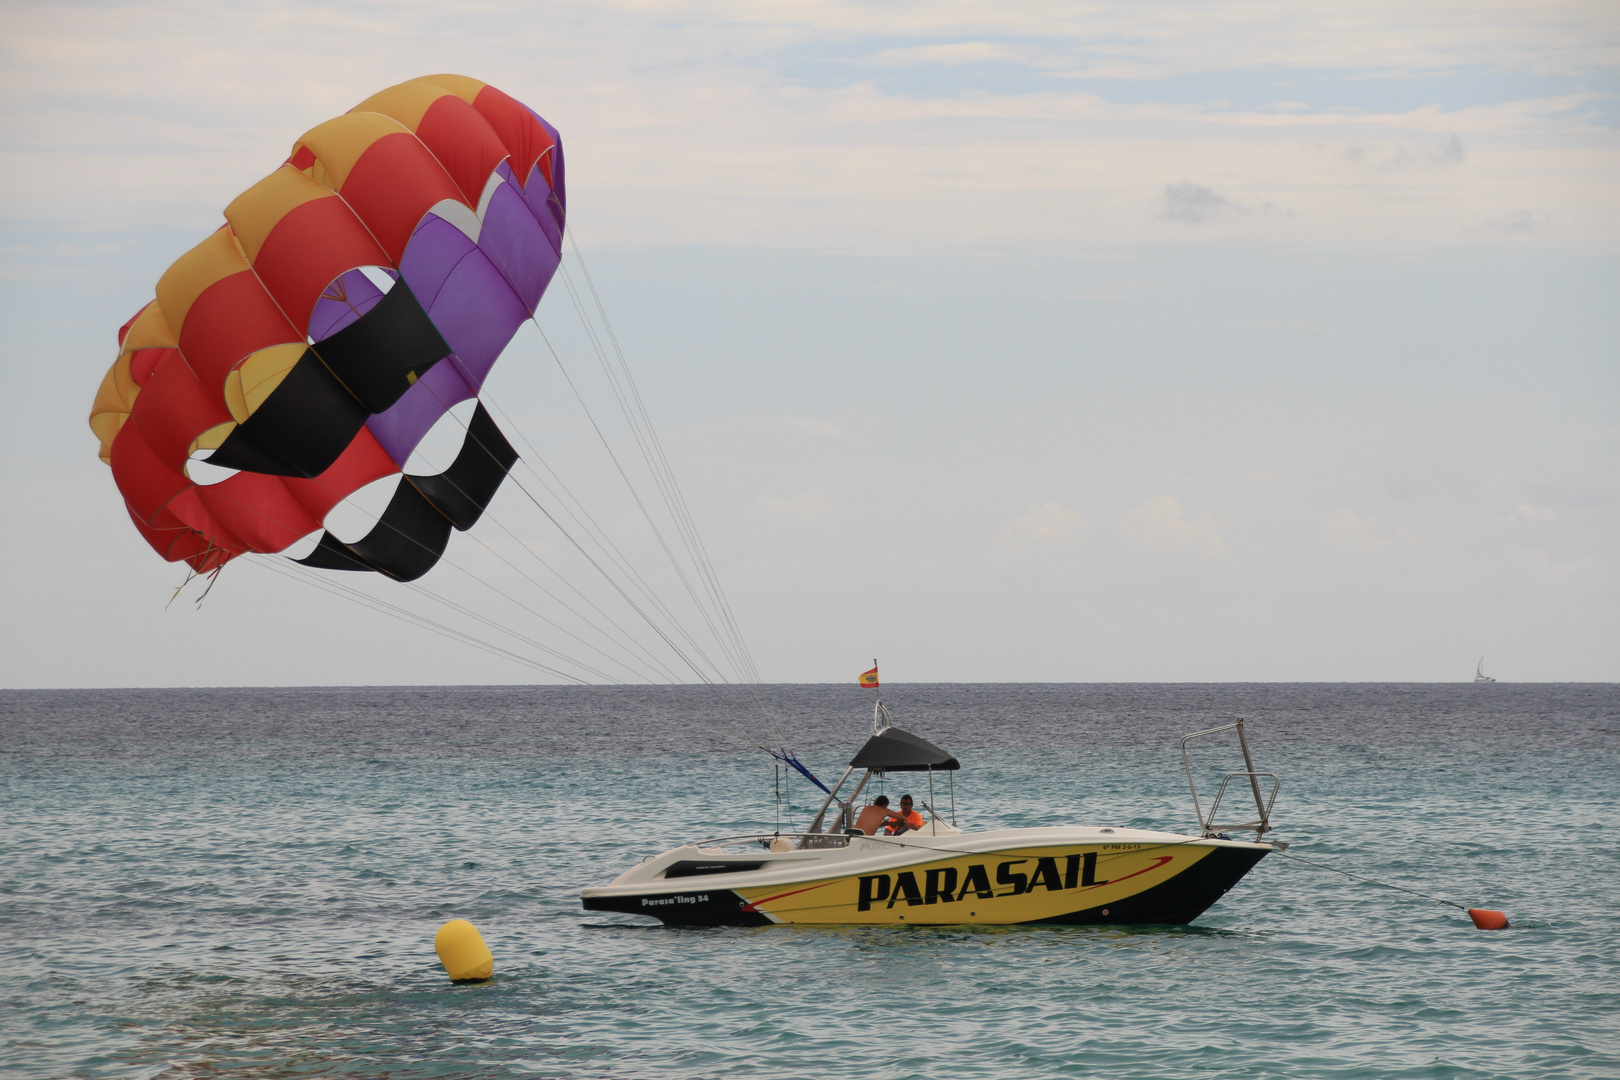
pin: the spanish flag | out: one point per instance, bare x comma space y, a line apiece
869, 678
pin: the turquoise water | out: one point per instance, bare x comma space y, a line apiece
247, 883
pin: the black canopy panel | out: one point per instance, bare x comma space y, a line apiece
902, 751
412, 533
381, 354
300, 429
405, 543
463, 490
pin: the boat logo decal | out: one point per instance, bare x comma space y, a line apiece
944, 885
688, 898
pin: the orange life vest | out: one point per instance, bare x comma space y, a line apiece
914, 820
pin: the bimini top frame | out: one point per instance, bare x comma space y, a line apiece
889, 750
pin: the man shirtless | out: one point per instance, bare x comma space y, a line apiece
873, 817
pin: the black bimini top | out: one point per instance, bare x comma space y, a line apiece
902, 751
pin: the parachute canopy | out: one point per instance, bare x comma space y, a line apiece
351, 298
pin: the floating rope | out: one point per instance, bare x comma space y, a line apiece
1483, 918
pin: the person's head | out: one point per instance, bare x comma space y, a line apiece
881, 800
905, 802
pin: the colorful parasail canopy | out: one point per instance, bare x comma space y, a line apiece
351, 298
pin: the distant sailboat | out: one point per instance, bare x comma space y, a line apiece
1479, 672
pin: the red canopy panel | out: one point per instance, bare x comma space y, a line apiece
525, 138
463, 142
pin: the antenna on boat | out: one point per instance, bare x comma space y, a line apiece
881, 721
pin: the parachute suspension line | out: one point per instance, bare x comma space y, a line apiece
404, 614
478, 617
657, 461
640, 503
622, 593
619, 562
213, 577
750, 684
327, 585
603, 543
675, 622
462, 609
400, 272
726, 645
612, 554
484, 619
571, 505
443, 629
625, 641
190, 574
702, 559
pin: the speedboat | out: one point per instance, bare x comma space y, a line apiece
844, 870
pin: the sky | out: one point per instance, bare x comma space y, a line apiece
1020, 342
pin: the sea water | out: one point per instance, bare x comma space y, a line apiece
246, 883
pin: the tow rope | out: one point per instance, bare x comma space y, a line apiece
1484, 918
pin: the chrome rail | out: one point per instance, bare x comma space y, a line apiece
800, 840
1262, 804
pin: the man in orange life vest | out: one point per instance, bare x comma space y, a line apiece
906, 820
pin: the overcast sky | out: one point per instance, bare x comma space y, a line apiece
1003, 342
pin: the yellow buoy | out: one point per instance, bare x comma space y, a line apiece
463, 953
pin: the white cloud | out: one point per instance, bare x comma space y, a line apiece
813, 505
704, 122
1351, 534
1424, 153
1520, 222
1158, 524
1525, 514
1046, 528
966, 52
1192, 204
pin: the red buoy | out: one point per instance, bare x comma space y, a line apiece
1488, 920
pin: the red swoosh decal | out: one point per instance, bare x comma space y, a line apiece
1162, 860
753, 905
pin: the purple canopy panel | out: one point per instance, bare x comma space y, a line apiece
433, 252
477, 312
350, 296
545, 209
473, 306
559, 187
514, 241
403, 425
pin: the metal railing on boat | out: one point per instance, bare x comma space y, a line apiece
1262, 804
800, 841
